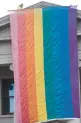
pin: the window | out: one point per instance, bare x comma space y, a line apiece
8, 96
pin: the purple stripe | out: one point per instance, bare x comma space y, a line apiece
74, 61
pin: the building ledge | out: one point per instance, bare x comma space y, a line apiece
79, 33
5, 59
6, 116
4, 21
79, 14
8, 38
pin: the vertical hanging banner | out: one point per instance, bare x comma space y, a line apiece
44, 48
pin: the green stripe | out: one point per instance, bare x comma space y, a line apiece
48, 64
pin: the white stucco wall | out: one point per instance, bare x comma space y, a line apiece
5, 31
5, 52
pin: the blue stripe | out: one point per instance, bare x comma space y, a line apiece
57, 63
65, 63
52, 63
56, 59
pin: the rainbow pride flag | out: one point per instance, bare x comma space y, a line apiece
44, 46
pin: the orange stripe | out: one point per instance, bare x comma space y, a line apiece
30, 61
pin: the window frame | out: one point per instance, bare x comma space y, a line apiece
2, 98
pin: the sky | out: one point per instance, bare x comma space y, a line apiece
6, 5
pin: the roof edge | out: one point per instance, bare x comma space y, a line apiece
6, 19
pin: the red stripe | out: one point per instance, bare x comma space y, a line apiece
22, 68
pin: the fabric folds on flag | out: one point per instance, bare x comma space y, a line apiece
44, 47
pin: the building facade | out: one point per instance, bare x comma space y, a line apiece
6, 75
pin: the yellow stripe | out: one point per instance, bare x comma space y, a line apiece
39, 65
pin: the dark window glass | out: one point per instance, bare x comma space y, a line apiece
8, 96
